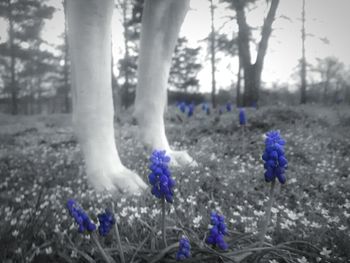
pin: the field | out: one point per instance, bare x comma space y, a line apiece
41, 168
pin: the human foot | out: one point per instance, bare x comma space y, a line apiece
105, 170
158, 141
181, 158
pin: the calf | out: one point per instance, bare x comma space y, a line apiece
89, 34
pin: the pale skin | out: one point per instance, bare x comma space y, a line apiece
89, 34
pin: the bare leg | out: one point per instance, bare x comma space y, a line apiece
161, 23
89, 24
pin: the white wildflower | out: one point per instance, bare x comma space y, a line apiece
48, 250
196, 221
325, 252
302, 260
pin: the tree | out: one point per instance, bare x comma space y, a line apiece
66, 64
131, 21
62, 77
212, 54
347, 85
228, 46
218, 42
252, 71
332, 77
185, 66
303, 59
25, 20
35, 74
63, 92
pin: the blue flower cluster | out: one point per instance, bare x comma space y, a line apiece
160, 177
228, 106
275, 161
191, 108
217, 232
183, 106
184, 249
81, 218
254, 105
242, 119
107, 221
206, 108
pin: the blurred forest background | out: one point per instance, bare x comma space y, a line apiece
35, 73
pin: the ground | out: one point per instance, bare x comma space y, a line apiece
41, 168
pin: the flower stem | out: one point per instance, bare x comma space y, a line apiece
243, 135
106, 257
163, 223
268, 213
121, 252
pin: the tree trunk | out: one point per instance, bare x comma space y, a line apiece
31, 98
14, 100
262, 48
325, 92
238, 86
252, 72
116, 92
66, 108
303, 60
347, 93
326, 82
126, 46
243, 48
39, 99
212, 51
249, 85
123, 91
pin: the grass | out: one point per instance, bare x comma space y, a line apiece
41, 168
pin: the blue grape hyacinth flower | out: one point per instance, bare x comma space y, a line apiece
254, 105
207, 111
182, 106
191, 108
184, 249
80, 217
274, 158
107, 221
228, 106
242, 117
217, 232
160, 177
206, 108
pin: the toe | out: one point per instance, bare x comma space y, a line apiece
142, 185
101, 183
129, 182
182, 158
193, 163
173, 161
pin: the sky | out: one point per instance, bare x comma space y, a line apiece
324, 19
